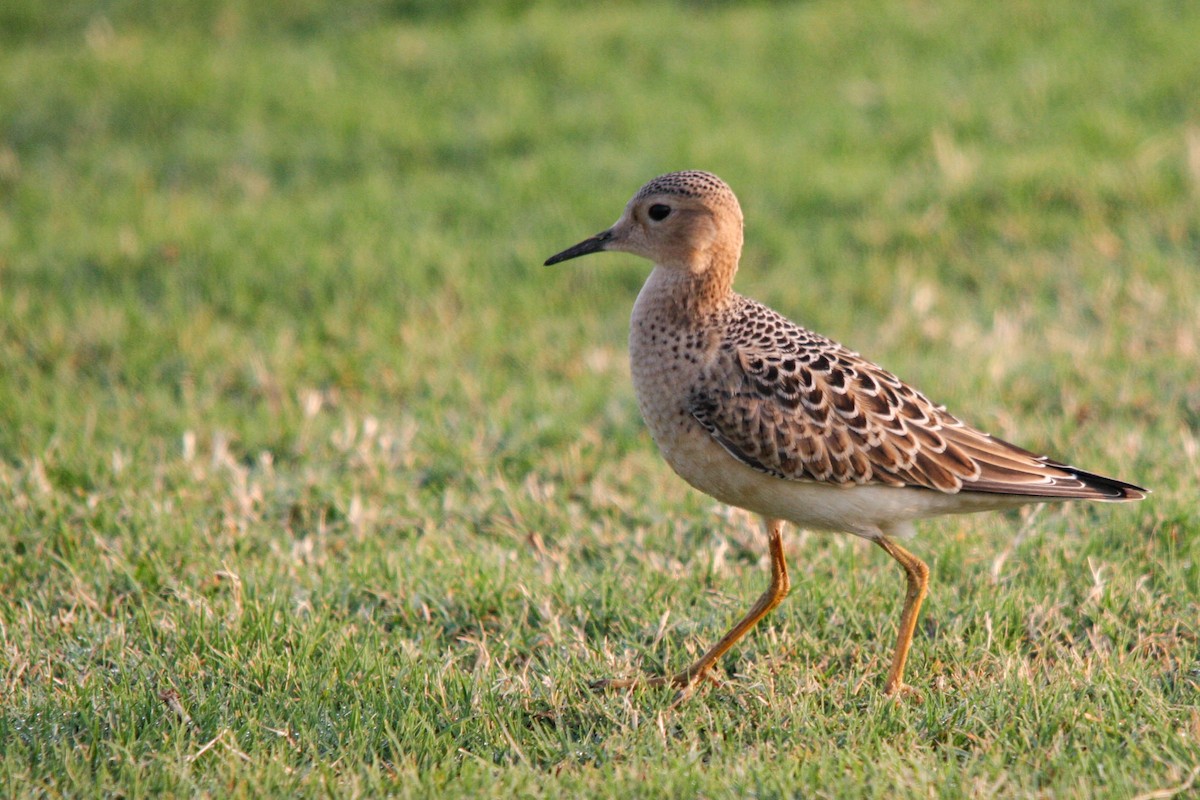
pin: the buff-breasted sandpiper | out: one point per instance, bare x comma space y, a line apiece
763, 414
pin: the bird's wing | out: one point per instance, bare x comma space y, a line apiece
793, 404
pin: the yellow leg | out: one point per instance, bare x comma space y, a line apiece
772, 597
917, 574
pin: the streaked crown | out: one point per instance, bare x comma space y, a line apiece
694, 184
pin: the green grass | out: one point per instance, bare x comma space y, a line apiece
313, 481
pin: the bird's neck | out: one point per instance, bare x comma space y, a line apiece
683, 297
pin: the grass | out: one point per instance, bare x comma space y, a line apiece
314, 481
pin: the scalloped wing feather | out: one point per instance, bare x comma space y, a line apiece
793, 404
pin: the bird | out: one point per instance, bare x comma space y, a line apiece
768, 416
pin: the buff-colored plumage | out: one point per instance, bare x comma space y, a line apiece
796, 405
763, 414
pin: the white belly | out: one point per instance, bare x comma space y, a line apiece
868, 511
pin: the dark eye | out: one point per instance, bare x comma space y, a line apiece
658, 212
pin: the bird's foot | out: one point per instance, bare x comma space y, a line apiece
903, 693
684, 681
611, 684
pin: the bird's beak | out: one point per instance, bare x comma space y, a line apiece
595, 244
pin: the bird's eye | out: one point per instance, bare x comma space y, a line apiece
658, 212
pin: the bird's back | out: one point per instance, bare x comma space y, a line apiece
797, 407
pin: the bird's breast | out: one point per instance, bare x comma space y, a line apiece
666, 364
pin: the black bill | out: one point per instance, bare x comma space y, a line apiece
592, 245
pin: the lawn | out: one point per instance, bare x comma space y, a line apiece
313, 481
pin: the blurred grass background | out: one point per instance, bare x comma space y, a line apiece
313, 480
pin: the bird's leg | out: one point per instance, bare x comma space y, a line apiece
772, 597
917, 574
